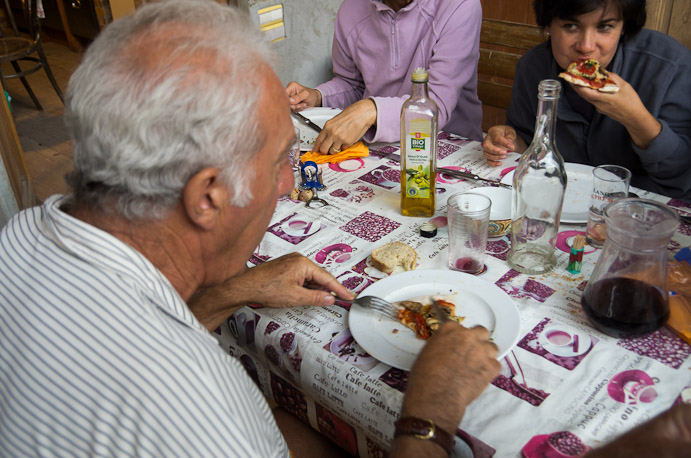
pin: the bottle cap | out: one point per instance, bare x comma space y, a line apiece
420, 75
428, 230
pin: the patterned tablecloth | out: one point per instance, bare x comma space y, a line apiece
544, 400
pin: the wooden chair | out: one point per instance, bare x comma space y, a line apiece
17, 48
502, 43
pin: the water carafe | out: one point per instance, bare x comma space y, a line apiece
627, 293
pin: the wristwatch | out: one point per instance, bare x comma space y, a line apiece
424, 428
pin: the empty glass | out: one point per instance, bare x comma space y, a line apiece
468, 217
294, 154
610, 183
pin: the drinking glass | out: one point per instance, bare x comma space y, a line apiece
294, 154
610, 183
468, 216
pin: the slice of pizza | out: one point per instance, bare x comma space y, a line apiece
589, 73
414, 314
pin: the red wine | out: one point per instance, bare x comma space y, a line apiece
624, 307
468, 265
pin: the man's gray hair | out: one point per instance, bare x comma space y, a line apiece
161, 95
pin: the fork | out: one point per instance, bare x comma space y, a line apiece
376, 304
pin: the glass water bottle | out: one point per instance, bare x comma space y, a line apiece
419, 128
539, 183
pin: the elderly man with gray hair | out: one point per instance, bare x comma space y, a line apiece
181, 134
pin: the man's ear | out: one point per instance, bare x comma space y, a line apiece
205, 197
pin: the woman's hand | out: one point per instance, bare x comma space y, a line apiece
302, 97
500, 140
346, 128
626, 108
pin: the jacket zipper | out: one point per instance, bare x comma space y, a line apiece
394, 38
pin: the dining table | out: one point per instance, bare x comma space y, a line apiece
564, 387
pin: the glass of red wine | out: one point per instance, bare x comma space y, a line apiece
627, 293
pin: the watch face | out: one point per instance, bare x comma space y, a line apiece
424, 429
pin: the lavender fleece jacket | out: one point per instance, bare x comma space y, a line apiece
376, 50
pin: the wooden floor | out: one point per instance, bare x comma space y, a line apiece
44, 139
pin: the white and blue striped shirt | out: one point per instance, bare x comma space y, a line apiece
99, 355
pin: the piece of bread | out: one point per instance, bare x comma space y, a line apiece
392, 255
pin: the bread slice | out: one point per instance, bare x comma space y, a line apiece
392, 255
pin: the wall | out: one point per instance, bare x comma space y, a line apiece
121, 8
672, 17
305, 52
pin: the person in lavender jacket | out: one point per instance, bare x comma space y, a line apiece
377, 45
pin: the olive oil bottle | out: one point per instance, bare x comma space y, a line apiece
419, 128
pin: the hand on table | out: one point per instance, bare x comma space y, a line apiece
624, 107
500, 140
289, 281
347, 127
453, 368
302, 97
666, 436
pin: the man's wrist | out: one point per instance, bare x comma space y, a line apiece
424, 429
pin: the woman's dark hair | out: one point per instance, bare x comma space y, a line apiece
632, 12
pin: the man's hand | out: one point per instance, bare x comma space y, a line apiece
666, 436
289, 281
500, 140
453, 368
346, 128
624, 107
302, 97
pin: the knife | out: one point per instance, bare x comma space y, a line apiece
456, 173
441, 316
471, 176
307, 121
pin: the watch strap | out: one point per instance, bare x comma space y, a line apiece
424, 428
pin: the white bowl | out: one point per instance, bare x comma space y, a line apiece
500, 213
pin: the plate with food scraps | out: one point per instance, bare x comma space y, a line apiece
579, 186
480, 302
319, 116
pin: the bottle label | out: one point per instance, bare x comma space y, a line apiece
418, 151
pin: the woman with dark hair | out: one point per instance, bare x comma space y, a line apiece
645, 126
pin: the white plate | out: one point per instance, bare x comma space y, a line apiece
480, 302
579, 186
319, 116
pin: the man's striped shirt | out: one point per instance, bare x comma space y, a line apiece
99, 355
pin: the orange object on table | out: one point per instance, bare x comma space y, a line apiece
357, 150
